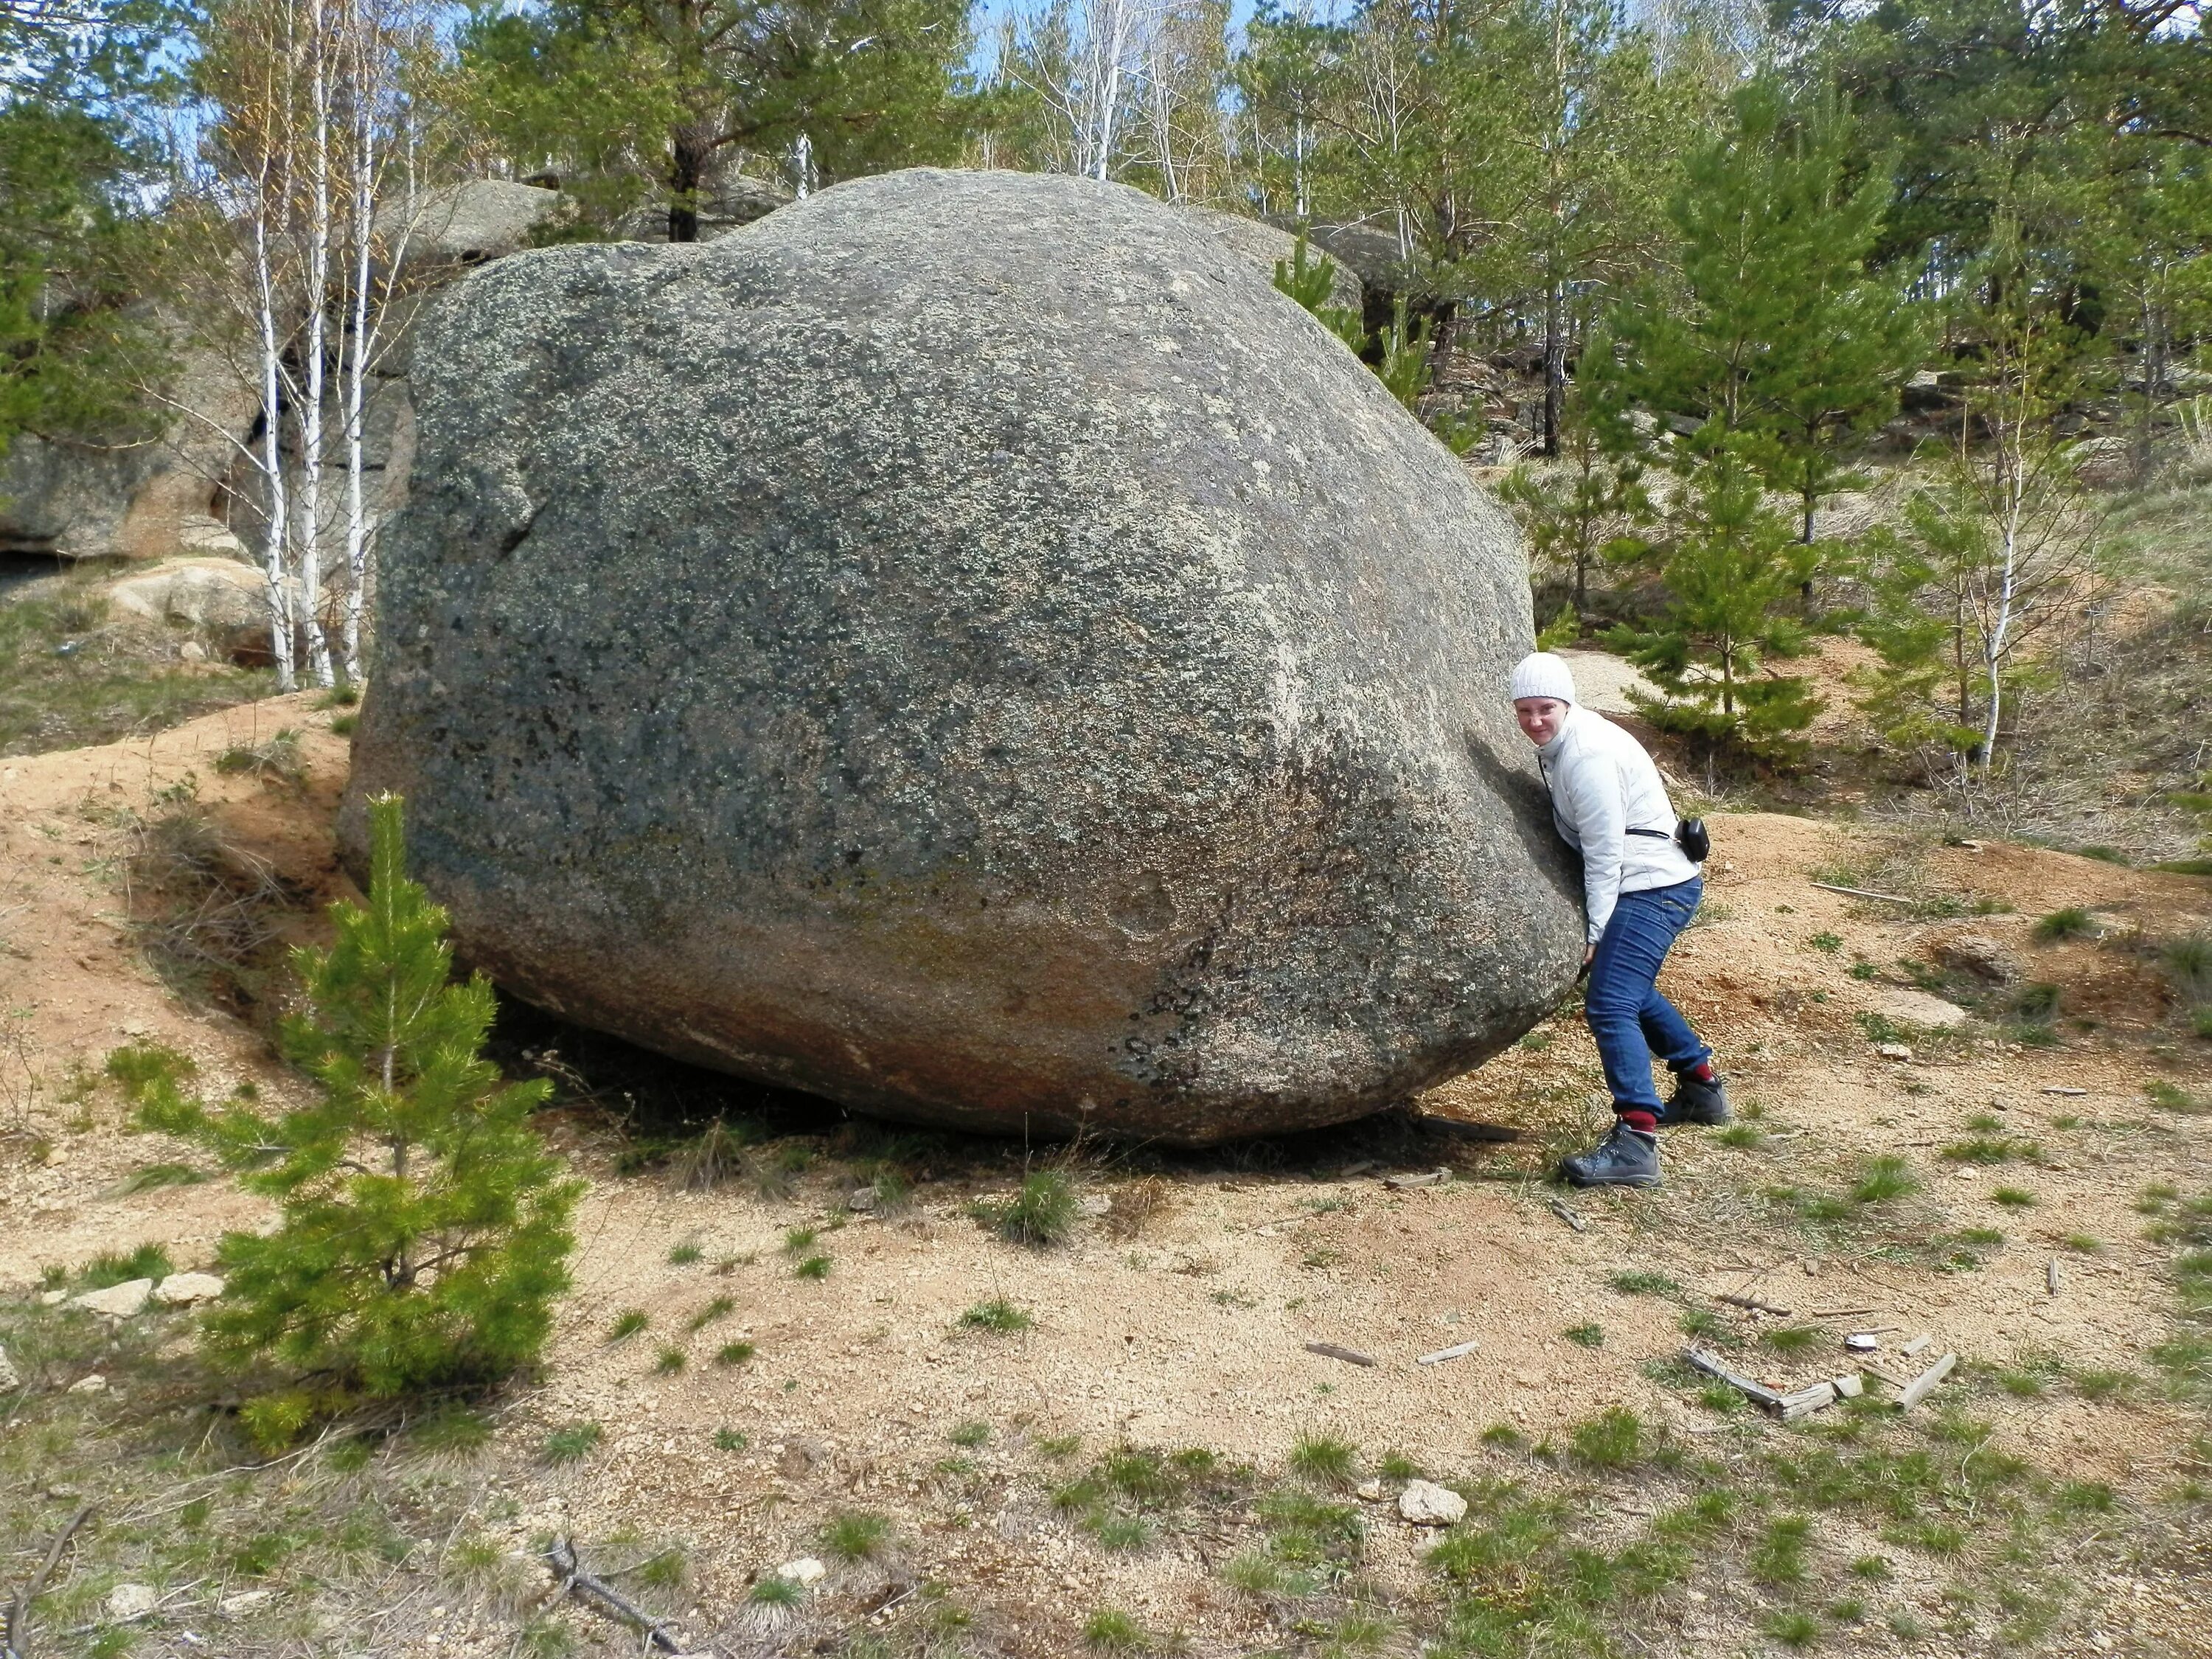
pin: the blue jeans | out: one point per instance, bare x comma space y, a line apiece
1628, 1018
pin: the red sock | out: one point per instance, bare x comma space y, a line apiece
1702, 1070
1648, 1122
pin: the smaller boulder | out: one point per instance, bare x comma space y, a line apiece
183, 1290
245, 1602
10, 1381
127, 1602
115, 1301
93, 1384
805, 1573
1919, 1008
1977, 954
1425, 1504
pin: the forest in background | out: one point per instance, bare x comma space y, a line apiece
1718, 247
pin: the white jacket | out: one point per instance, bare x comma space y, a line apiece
1603, 785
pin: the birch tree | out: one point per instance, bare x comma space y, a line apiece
306, 128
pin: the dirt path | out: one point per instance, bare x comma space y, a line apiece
1186, 1328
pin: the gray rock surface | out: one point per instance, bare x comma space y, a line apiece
967, 647
1266, 244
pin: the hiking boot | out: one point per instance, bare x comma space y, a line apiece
1625, 1158
1694, 1102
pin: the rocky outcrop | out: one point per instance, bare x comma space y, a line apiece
178, 491
968, 648
1267, 246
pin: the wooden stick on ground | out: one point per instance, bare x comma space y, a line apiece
1862, 893
1569, 1216
1331, 1350
1754, 1304
561, 1558
14, 1640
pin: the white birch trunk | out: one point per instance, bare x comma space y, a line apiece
315, 304
273, 559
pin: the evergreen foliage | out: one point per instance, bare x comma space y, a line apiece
1311, 284
423, 1229
634, 102
1728, 565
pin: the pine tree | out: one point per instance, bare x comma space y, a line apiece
422, 1230
1778, 332
1584, 513
1311, 283
1728, 566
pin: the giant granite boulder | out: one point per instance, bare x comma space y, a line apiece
967, 647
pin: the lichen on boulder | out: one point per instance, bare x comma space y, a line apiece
967, 647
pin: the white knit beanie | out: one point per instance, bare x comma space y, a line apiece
1540, 674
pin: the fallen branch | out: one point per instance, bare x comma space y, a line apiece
1568, 1216
1457, 1350
1330, 1350
561, 1558
1712, 1366
1924, 1384
1754, 1304
1862, 893
14, 1640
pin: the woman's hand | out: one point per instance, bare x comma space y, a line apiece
1589, 955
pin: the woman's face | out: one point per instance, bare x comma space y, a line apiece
1541, 718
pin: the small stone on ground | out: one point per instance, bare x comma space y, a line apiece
1427, 1504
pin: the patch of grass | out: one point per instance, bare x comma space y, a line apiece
2037, 1003
1116, 1530
734, 1353
2170, 1098
2059, 926
683, 1255
800, 1241
1041, 1213
572, 1442
1794, 1628
1110, 1630
627, 1323
856, 1535
1779, 1557
1826, 943
1503, 1436
2188, 963
1744, 1137
1536, 1041
731, 1440
670, 1360
1396, 1466
1615, 1439
121, 1266
1978, 1149
997, 1315
71, 677
1704, 1325
814, 1267
707, 1314
1585, 1336
776, 1170
973, 1432
2013, 1198
1326, 1459
1642, 1281
1791, 1340
276, 758
1884, 1179
2083, 1244
1057, 1446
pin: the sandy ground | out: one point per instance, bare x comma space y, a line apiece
1189, 1330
